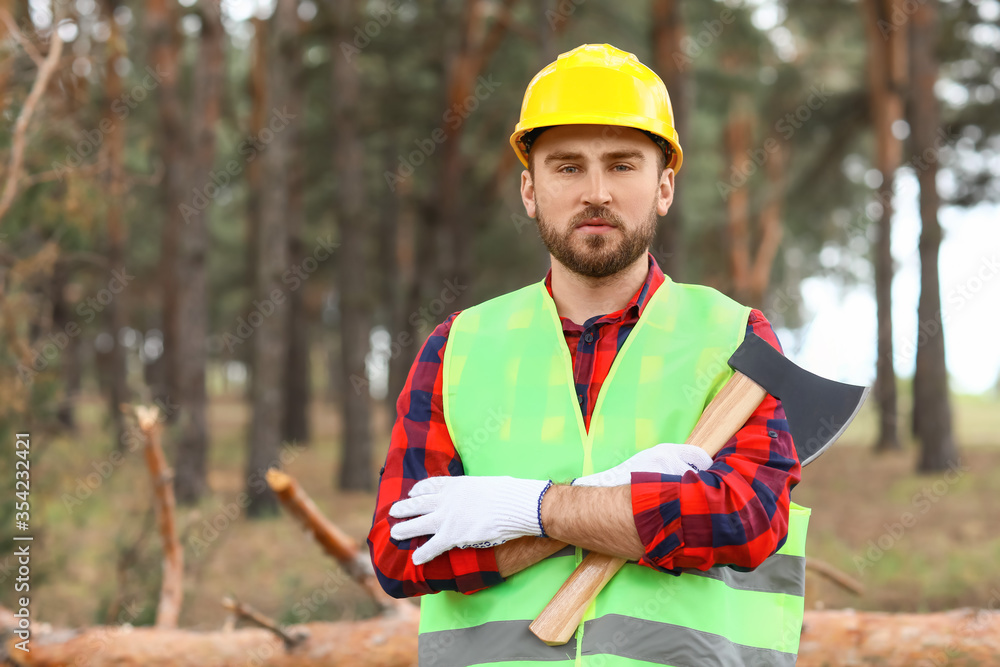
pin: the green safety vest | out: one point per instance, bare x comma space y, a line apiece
511, 408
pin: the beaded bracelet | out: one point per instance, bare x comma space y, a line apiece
540, 496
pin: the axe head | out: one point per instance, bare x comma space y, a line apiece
818, 410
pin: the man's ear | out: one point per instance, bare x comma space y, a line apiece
665, 195
528, 193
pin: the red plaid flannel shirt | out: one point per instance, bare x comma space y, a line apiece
735, 513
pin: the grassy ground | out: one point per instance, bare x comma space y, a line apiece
917, 543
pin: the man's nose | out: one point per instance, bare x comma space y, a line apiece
596, 192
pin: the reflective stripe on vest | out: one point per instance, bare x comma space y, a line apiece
511, 408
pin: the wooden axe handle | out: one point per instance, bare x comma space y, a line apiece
723, 417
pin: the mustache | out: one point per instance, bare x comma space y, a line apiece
602, 212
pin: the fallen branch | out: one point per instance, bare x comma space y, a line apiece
842, 579
242, 610
172, 587
333, 540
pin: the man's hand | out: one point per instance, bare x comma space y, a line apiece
665, 458
467, 511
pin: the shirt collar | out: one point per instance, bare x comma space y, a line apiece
635, 306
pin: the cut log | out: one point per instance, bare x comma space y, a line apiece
956, 638
384, 641
841, 638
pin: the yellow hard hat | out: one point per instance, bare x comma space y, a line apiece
597, 84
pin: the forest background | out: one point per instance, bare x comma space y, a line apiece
252, 215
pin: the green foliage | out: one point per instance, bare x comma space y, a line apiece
27, 399
772, 55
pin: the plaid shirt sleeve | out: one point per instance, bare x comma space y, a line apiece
736, 512
420, 447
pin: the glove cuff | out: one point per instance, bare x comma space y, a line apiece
696, 457
520, 509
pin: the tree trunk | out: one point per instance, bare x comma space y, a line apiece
295, 423
930, 382
257, 90
355, 313
161, 21
392, 278
769, 227
886, 79
548, 21
476, 46
270, 340
668, 31
69, 360
114, 182
192, 449
738, 133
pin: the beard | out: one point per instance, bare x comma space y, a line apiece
598, 255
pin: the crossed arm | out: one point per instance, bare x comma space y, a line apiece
597, 519
735, 513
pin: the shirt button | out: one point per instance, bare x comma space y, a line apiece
589, 338
773, 434
580, 398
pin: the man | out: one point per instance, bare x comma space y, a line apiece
575, 381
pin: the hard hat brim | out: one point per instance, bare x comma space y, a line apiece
661, 129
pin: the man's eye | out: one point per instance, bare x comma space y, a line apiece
568, 169
622, 167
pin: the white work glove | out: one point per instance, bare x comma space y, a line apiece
468, 511
665, 458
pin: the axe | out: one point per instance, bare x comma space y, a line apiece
818, 411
